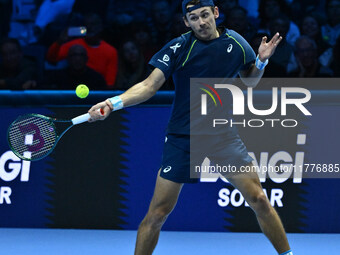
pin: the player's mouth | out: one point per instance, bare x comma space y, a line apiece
203, 30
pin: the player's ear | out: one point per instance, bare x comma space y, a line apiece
186, 21
216, 12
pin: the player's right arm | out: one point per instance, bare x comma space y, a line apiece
137, 94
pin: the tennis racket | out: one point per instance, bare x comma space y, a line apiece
33, 136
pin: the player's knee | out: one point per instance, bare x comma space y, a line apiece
157, 218
260, 203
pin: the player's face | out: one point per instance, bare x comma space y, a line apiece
202, 22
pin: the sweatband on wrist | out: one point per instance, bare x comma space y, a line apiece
259, 64
116, 102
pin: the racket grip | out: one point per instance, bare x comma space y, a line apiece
85, 117
81, 119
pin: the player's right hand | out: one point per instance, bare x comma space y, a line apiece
100, 111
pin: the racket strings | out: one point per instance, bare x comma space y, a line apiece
32, 137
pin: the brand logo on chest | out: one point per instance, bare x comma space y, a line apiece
230, 48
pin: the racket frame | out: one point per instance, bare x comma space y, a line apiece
51, 121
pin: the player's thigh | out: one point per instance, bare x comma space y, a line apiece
165, 195
248, 183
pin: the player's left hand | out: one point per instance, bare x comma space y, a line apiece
267, 49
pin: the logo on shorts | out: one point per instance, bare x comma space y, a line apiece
230, 48
167, 169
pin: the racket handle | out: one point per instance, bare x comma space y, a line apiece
85, 117
81, 119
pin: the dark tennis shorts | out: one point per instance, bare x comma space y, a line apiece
221, 150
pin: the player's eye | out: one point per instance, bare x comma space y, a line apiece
205, 15
193, 18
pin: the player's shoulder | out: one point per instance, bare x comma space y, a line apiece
181, 42
234, 35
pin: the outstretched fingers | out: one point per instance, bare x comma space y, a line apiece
276, 39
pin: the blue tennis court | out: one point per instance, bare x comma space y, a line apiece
57, 241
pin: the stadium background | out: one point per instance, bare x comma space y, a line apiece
101, 175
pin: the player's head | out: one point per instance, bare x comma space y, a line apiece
200, 16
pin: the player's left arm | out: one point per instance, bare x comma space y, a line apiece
252, 76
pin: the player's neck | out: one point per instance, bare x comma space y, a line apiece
217, 34
213, 36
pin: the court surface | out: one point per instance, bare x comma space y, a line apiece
98, 242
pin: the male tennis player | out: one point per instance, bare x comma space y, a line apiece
203, 52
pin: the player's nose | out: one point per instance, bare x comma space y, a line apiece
201, 22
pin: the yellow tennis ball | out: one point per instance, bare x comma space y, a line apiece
82, 91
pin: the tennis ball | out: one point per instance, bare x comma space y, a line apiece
82, 91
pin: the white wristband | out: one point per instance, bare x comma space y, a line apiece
117, 103
259, 64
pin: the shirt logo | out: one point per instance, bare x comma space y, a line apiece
165, 59
174, 48
166, 139
230, 48
167, 169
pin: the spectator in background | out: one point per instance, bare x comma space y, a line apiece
311, 28
5, 17
51, 11
160, 23
301, 8
335, 65
306, 53
16, 72
89, 6
331, 31
142, 37
226, 5
284, 53
120, 13
102, 57
237, 20
178, 26
77, 72
132, 67
271, 9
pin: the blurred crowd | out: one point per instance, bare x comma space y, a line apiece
106, 44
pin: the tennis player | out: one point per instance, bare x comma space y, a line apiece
206, 51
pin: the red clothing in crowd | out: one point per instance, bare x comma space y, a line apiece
103, 58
